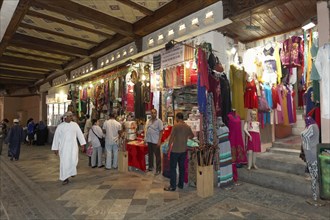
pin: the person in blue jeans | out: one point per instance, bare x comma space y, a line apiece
112, 130
181, 132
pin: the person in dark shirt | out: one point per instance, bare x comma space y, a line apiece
177, 150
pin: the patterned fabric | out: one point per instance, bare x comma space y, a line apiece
225, 171
210, 121
313, 171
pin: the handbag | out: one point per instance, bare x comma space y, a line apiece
89, 151
262, 104
218, 66
102, 140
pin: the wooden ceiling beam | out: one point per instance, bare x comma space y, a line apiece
15, 81
22, 69
169, 13
87, 14
70, 24
32, 27
29, 63
137, 6
40, 44
36, 55
22, 8
6, 73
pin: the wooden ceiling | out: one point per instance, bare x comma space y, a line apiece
47, 38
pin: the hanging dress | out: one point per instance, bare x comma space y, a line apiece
237, 80
250, 95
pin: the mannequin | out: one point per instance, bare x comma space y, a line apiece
310, 139
225, 172
251, 129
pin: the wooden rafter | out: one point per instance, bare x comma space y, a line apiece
22, 8
11, 73
137, 6
87, 14
47, 46
15, 80
32, 27
30, 63
60, 21
41, 56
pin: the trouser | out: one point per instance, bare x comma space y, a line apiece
177, 158
97, 152
112, 148
154, 149
312, 167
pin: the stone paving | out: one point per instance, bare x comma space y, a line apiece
30, 189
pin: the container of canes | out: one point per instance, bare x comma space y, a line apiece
123, 161
205, 181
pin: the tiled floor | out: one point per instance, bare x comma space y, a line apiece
30, 189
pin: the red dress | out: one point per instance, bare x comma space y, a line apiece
250, 95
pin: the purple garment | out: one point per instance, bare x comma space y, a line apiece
280, 118
289, 105
309, 120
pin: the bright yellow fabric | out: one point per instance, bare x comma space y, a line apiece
278, 63
237, 82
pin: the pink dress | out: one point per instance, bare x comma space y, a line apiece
236, 139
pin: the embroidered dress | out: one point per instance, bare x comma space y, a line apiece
236, 139
225, 171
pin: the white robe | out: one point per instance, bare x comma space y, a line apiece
65, 141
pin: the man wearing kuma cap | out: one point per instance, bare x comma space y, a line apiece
65, 145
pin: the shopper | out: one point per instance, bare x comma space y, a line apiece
65, 145
112, 130
93, 138
30, 131
153, 137
42, 133
177, 150
3, 132
14, 139
252, 130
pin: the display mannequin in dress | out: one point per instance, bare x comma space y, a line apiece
251, 129
225, 172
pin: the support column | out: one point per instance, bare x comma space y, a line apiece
43, 108
324, 37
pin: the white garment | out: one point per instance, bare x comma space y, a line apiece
251, 126
65, 141
111, 128
322, 64
92, 137
248, 61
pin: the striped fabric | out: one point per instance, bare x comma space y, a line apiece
225, 170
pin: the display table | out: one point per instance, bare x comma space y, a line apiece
136, 154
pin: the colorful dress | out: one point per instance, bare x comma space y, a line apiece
225, 171
253, 128
236, 139
250, 95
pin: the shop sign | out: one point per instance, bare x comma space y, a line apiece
173, 56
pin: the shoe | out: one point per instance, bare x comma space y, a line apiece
11, 159
100, 166
107, 168
65, 182
157, 173
93, 166
180, 187
150, 169
169, 189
